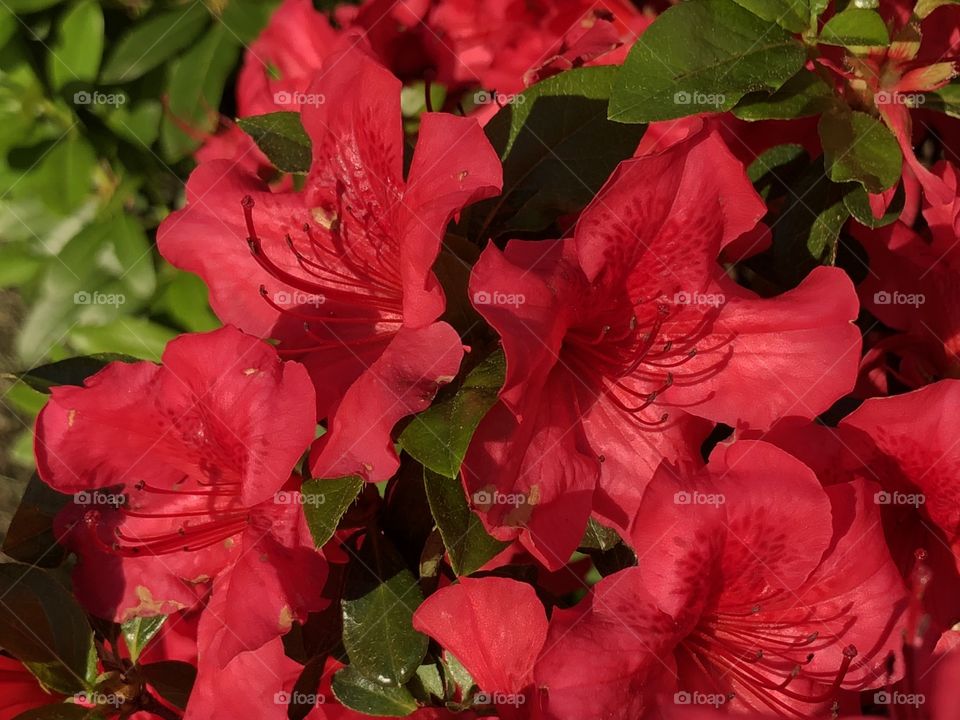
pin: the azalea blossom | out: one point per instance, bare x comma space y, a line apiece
340, 272
181, 473
625, 342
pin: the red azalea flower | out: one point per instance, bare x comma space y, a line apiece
19, 690
766, 596
341, 272
623, 342
182, 472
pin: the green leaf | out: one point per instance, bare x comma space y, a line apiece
802, 95
599, 537
132, 336
794, 16
197, 80
64, 178
553, 164
72, 371
147, 44
438, 437
184, 299
925, 7
30, 538
857, 203
945, 100
137, 633
359, 693
75, 56
428, 685
28, 6
325, 502
702, 56
63, 711
282, 138
42, 625
859, 147
379, 600
245, 19
855, 28
468, 544
769, 172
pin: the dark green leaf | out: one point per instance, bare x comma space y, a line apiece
468, 544
282, 138
855, 28
359, 693
553, 163
439, 436
794, 16
30, 537
172, 679
72, 371
64, 177
325, 502
151, 42
42, 625
945, 100
702, 56
770, 172
197, 80
63, 711
137, 633
428, 685
859, 147
802, 95
75, 56
857, 203
380, 597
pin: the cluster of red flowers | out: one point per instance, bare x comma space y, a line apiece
795, 565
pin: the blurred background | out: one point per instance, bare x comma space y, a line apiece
102, 103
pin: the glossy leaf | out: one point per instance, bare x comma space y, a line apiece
859, 147
325, 501
855, 28
439, 436
281, 137
802, 95
367, 696
702, 56
72, 371
138, 633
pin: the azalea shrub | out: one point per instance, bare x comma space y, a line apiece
556, 360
